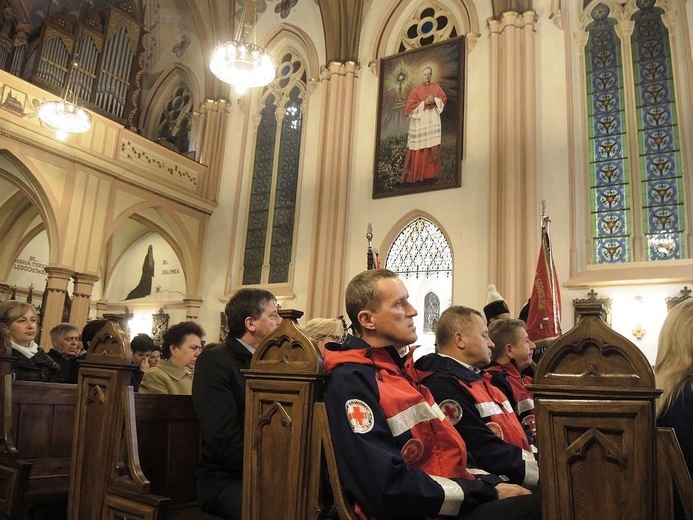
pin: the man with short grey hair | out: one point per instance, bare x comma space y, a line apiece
65, 341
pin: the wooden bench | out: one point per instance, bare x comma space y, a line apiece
141, 455
290, 469
157, 476
601, 452
36, 422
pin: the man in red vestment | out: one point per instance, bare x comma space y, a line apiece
424, 106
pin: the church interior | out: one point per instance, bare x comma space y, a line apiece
184, 189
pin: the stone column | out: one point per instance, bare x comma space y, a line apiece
514, 218
192, 308
332, 191
213, 125
56, 289
81, 297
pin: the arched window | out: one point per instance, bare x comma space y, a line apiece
271, 220
175, 120
420, 251
636, 192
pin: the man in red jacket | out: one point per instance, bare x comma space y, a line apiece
398, 455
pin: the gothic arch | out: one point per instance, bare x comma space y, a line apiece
161, 92
41, 205
289, 35
403, 222
464, 13
159, 220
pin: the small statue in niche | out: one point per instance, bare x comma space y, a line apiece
144, 288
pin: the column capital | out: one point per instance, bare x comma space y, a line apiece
214, 105
60, 272
85, 278
340, 69
192, 308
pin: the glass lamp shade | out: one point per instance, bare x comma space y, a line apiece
243, 65
64, 116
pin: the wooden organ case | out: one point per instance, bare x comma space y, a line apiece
99, 55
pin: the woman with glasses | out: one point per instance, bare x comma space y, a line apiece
325, 330
173, 375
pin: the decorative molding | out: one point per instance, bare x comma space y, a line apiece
673, 301
149, 160
592, 305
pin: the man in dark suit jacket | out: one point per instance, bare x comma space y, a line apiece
219, 399
65, 340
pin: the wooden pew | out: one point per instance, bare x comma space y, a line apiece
157, 475
601, 452
37, 424
168, 446
290, 469
145, 464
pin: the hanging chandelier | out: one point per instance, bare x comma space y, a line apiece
242, 63
65, 116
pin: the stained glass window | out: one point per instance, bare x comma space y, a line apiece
658, 143
269, 240
608, 141
432, 22
420, 251
658, 216
175, 121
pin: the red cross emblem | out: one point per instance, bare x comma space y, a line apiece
412, 451
360, 416
452, 410
495, 428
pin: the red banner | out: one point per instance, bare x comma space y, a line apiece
544, 320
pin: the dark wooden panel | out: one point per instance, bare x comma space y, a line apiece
169, 445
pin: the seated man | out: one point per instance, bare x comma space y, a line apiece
481, 413
512, 354
397, 454
218, 392
65, 340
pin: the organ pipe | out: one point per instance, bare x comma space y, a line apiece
105, 42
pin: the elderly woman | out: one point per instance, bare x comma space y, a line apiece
29, 361
173, 375
325, 330
674, 375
